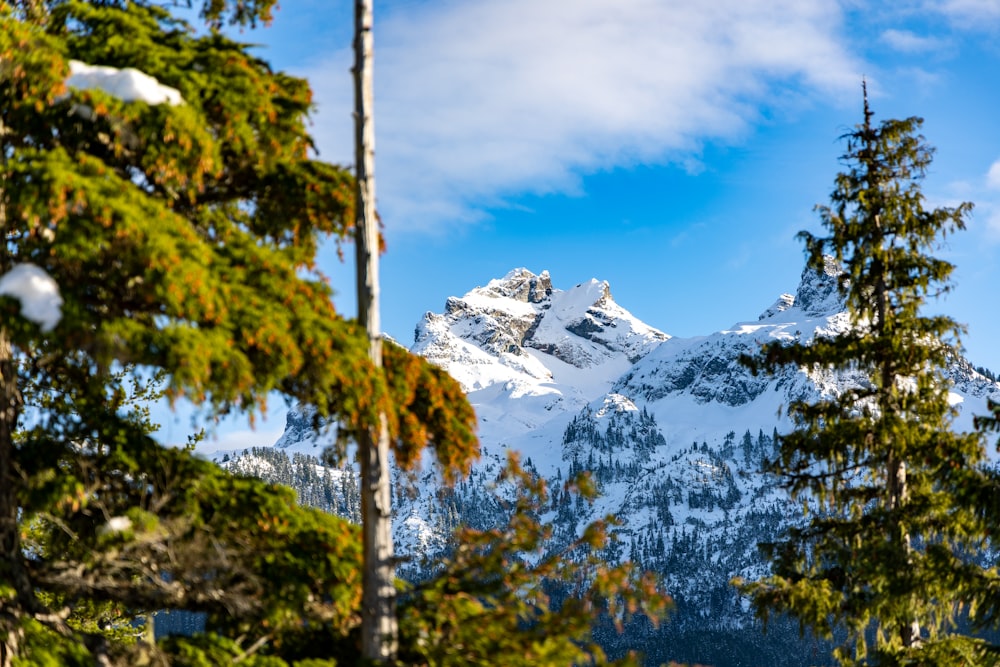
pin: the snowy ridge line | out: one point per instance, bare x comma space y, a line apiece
673, 431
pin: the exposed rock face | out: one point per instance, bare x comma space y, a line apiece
709, 370
533, 358
818, 293
784, 302
511, 318
522, 285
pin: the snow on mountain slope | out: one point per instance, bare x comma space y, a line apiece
698, 386
500, 324
534, 358
525, 351
673, 430
708, 369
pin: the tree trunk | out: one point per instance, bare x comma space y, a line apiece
896, 490
12, 570
378, 616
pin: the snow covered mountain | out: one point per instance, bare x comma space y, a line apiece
526, 352
672, 429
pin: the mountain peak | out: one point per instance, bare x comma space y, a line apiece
784, 302
818, 292
593, 293
520, 285
520, 331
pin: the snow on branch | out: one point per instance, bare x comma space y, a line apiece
128, 85
37, 292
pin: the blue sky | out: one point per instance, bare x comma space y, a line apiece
673, 148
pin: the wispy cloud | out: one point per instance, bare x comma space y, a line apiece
988, 202
231, 440
478, 101
984, 191
984, 14
993, 176
910, 42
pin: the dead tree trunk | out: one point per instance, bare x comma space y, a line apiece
378, 618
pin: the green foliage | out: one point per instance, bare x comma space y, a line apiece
183, 239
48, 649
198, 539
501, 598
211, 650
890, 534
430, 408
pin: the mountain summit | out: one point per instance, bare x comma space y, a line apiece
520, 338
521, 312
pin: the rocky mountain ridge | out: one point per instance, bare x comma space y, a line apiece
673, 430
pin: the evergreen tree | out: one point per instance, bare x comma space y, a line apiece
181, 234
879, 466
182, 237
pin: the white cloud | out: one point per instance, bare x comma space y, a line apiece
910, 42
476, 101
993, 176
983, 191
222, 433
972, 13
988, 205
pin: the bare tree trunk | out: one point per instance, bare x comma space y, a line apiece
896, 494
378, 616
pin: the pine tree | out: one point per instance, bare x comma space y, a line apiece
884, 550
182, 237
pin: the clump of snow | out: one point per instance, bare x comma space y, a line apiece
128, 85
616, 404
37, 292
116, 524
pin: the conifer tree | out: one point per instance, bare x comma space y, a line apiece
181, 234
879, 467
